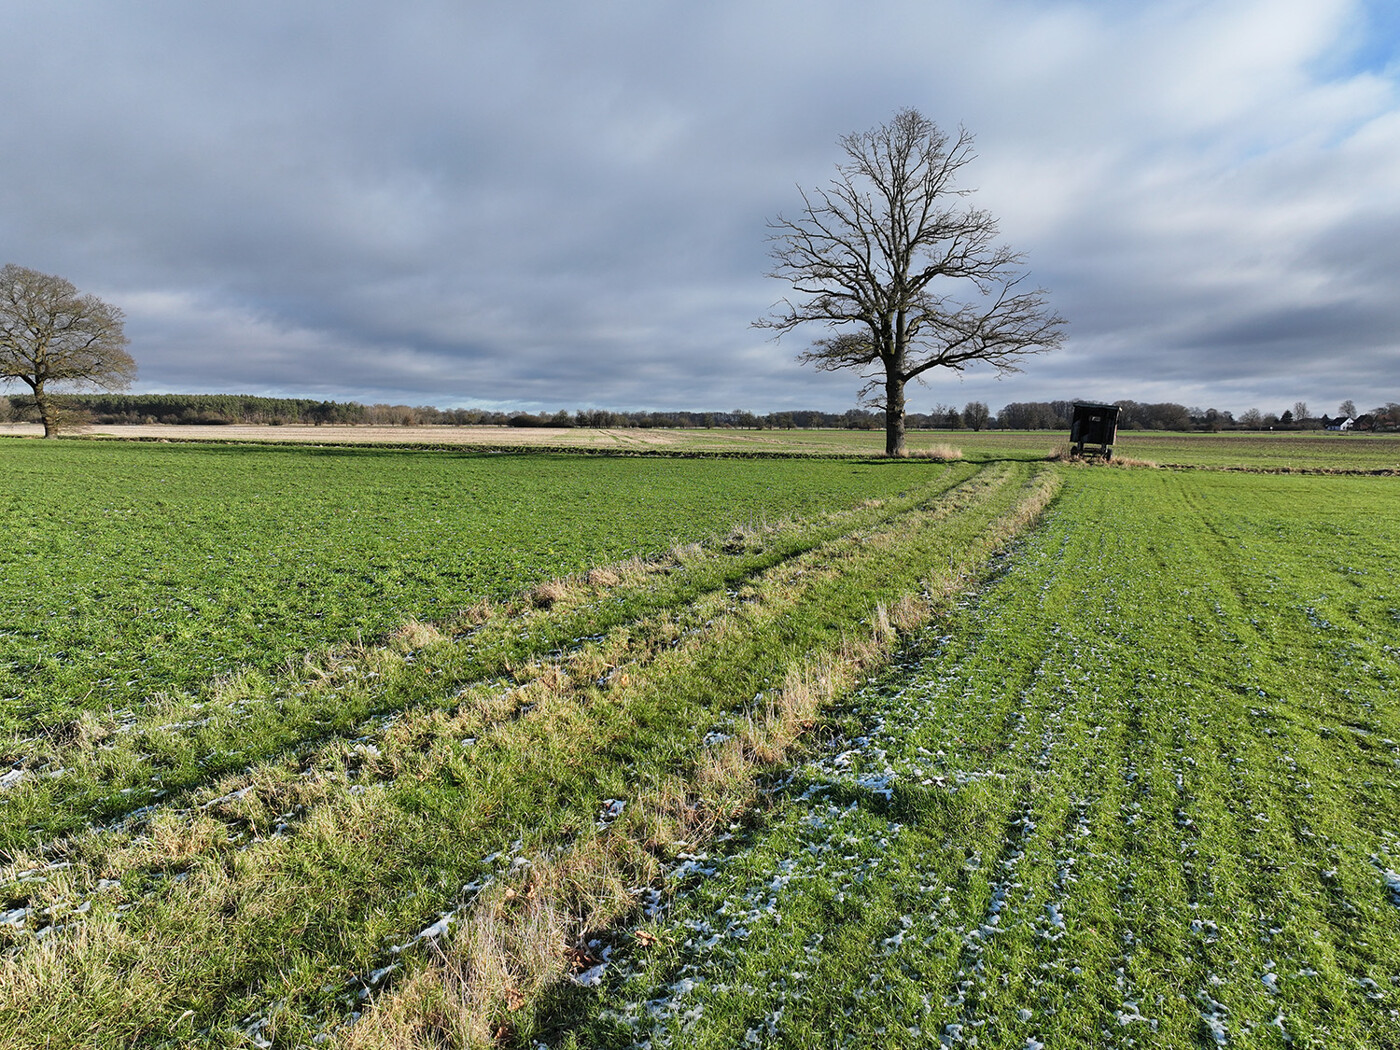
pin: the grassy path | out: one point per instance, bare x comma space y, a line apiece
429, 824
1140, 793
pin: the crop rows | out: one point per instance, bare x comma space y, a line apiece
258, 862
1142, 792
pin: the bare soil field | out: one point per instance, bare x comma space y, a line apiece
360, 435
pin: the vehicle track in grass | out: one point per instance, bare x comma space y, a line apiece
1134, 795
262, 932
112, 764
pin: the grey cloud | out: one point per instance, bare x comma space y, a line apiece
555, 205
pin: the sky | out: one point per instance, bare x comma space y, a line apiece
544, 205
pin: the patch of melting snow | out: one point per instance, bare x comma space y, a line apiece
433, 931
1206, 929
1128, 1013
1214, 1016
1392, 885
232, 796
593, 976
612, 809
590, 978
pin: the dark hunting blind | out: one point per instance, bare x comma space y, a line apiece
1094, 425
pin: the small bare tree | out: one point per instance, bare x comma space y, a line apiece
909, 277
976, 414
51, 334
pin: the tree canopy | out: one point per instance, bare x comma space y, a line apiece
50, 333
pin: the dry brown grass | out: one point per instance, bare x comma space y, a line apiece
518, 939
686, 553
942, 453
1064, 453
176, 839
415, 634
81, 731
603, 576
546, 595
908, 614
880, 629
474, 615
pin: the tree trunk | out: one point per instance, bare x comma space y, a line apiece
48, 411
894, 414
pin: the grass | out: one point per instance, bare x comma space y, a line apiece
1282, 451
134, 570
1262, 450
122, 761
1137, 794
1128, 781
257, 896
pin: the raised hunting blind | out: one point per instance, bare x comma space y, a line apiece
1094, 425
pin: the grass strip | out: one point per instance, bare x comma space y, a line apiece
101, 767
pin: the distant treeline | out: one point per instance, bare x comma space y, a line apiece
224, 409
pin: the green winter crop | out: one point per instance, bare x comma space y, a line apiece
1140, 793
253, 865
700, 753
131, 569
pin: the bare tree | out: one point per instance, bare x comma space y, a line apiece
909, 277
1300, 411
51, 334
976, 414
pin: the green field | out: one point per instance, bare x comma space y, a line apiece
1282, 451
1298, 451
584, 751
1141, 792
1305, 451
133, 569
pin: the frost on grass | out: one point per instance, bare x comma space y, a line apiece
844, 845
1002, 944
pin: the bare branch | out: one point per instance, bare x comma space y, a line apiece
890, 250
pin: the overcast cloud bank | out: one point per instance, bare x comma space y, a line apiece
540, 206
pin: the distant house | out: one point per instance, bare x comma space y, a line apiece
1340, 423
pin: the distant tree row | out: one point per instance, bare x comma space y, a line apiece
1056, 415
224, 409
